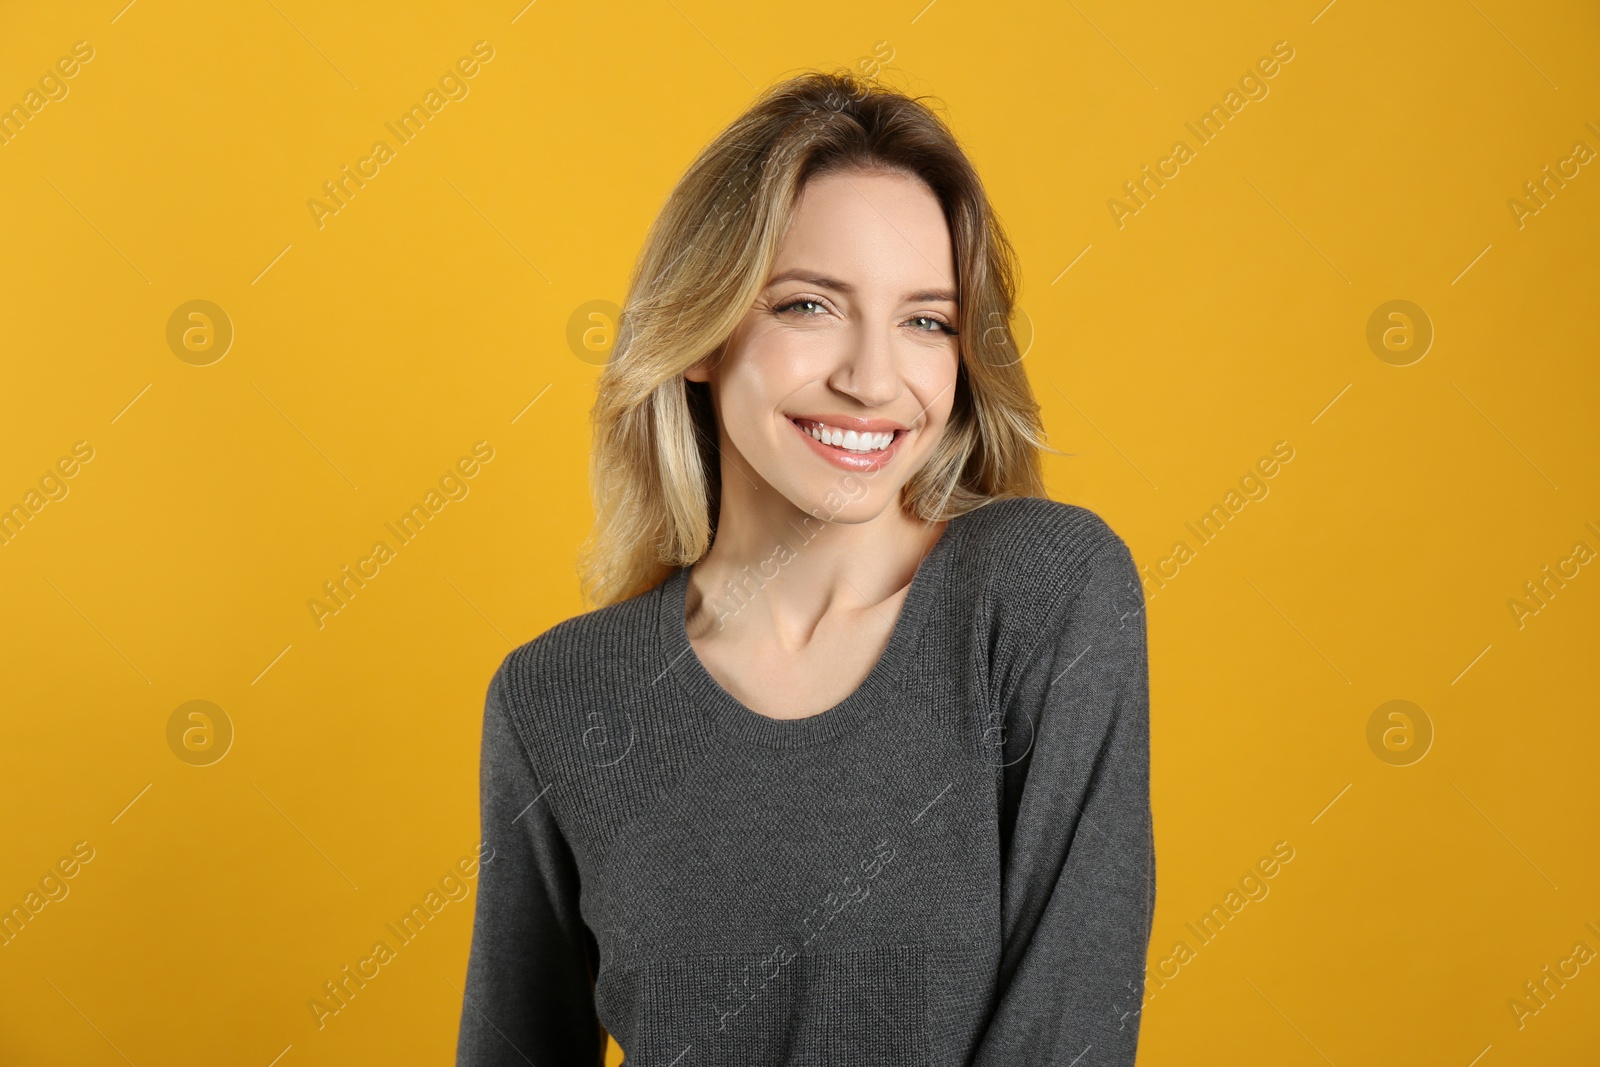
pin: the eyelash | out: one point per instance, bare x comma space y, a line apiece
792, 304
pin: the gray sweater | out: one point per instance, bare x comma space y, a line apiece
954, 866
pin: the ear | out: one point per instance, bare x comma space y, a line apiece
701, 371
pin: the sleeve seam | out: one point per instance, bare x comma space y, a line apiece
1053, 623
503, 703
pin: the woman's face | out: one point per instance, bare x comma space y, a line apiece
855, 332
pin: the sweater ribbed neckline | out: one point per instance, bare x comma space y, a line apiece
734, 718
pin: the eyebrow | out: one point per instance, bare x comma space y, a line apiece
822, 281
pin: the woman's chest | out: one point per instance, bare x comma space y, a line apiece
848, 895
790, 842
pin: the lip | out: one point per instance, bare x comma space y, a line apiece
851, 422
852, 461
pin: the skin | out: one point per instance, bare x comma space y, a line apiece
808, 637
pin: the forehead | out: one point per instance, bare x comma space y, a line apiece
870, 229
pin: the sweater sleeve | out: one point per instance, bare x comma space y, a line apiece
1079, 851
529, 994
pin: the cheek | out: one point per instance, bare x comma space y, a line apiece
931, 376
755, 386
790, 357
767, 370
936, 368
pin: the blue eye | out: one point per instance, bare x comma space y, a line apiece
938, 323
795, 304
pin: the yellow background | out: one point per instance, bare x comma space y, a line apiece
431, 311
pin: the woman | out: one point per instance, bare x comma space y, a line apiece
850, 765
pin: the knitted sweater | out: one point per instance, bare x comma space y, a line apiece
954, 866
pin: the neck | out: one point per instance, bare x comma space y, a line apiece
782, 570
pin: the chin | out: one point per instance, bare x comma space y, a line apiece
850, 499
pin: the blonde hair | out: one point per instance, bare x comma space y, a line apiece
654, 471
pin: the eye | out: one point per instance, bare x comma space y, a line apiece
928, 324
938, 324
798, 302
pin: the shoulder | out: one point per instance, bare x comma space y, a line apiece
595, 727
1032, 540
589, 659
1030, 560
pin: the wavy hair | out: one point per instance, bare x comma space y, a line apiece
654, 470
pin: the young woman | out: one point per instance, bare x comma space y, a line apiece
850, 764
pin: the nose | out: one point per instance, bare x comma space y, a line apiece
868, 369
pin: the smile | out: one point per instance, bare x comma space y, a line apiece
850, 449
849, 440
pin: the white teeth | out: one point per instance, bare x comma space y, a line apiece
850, 440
